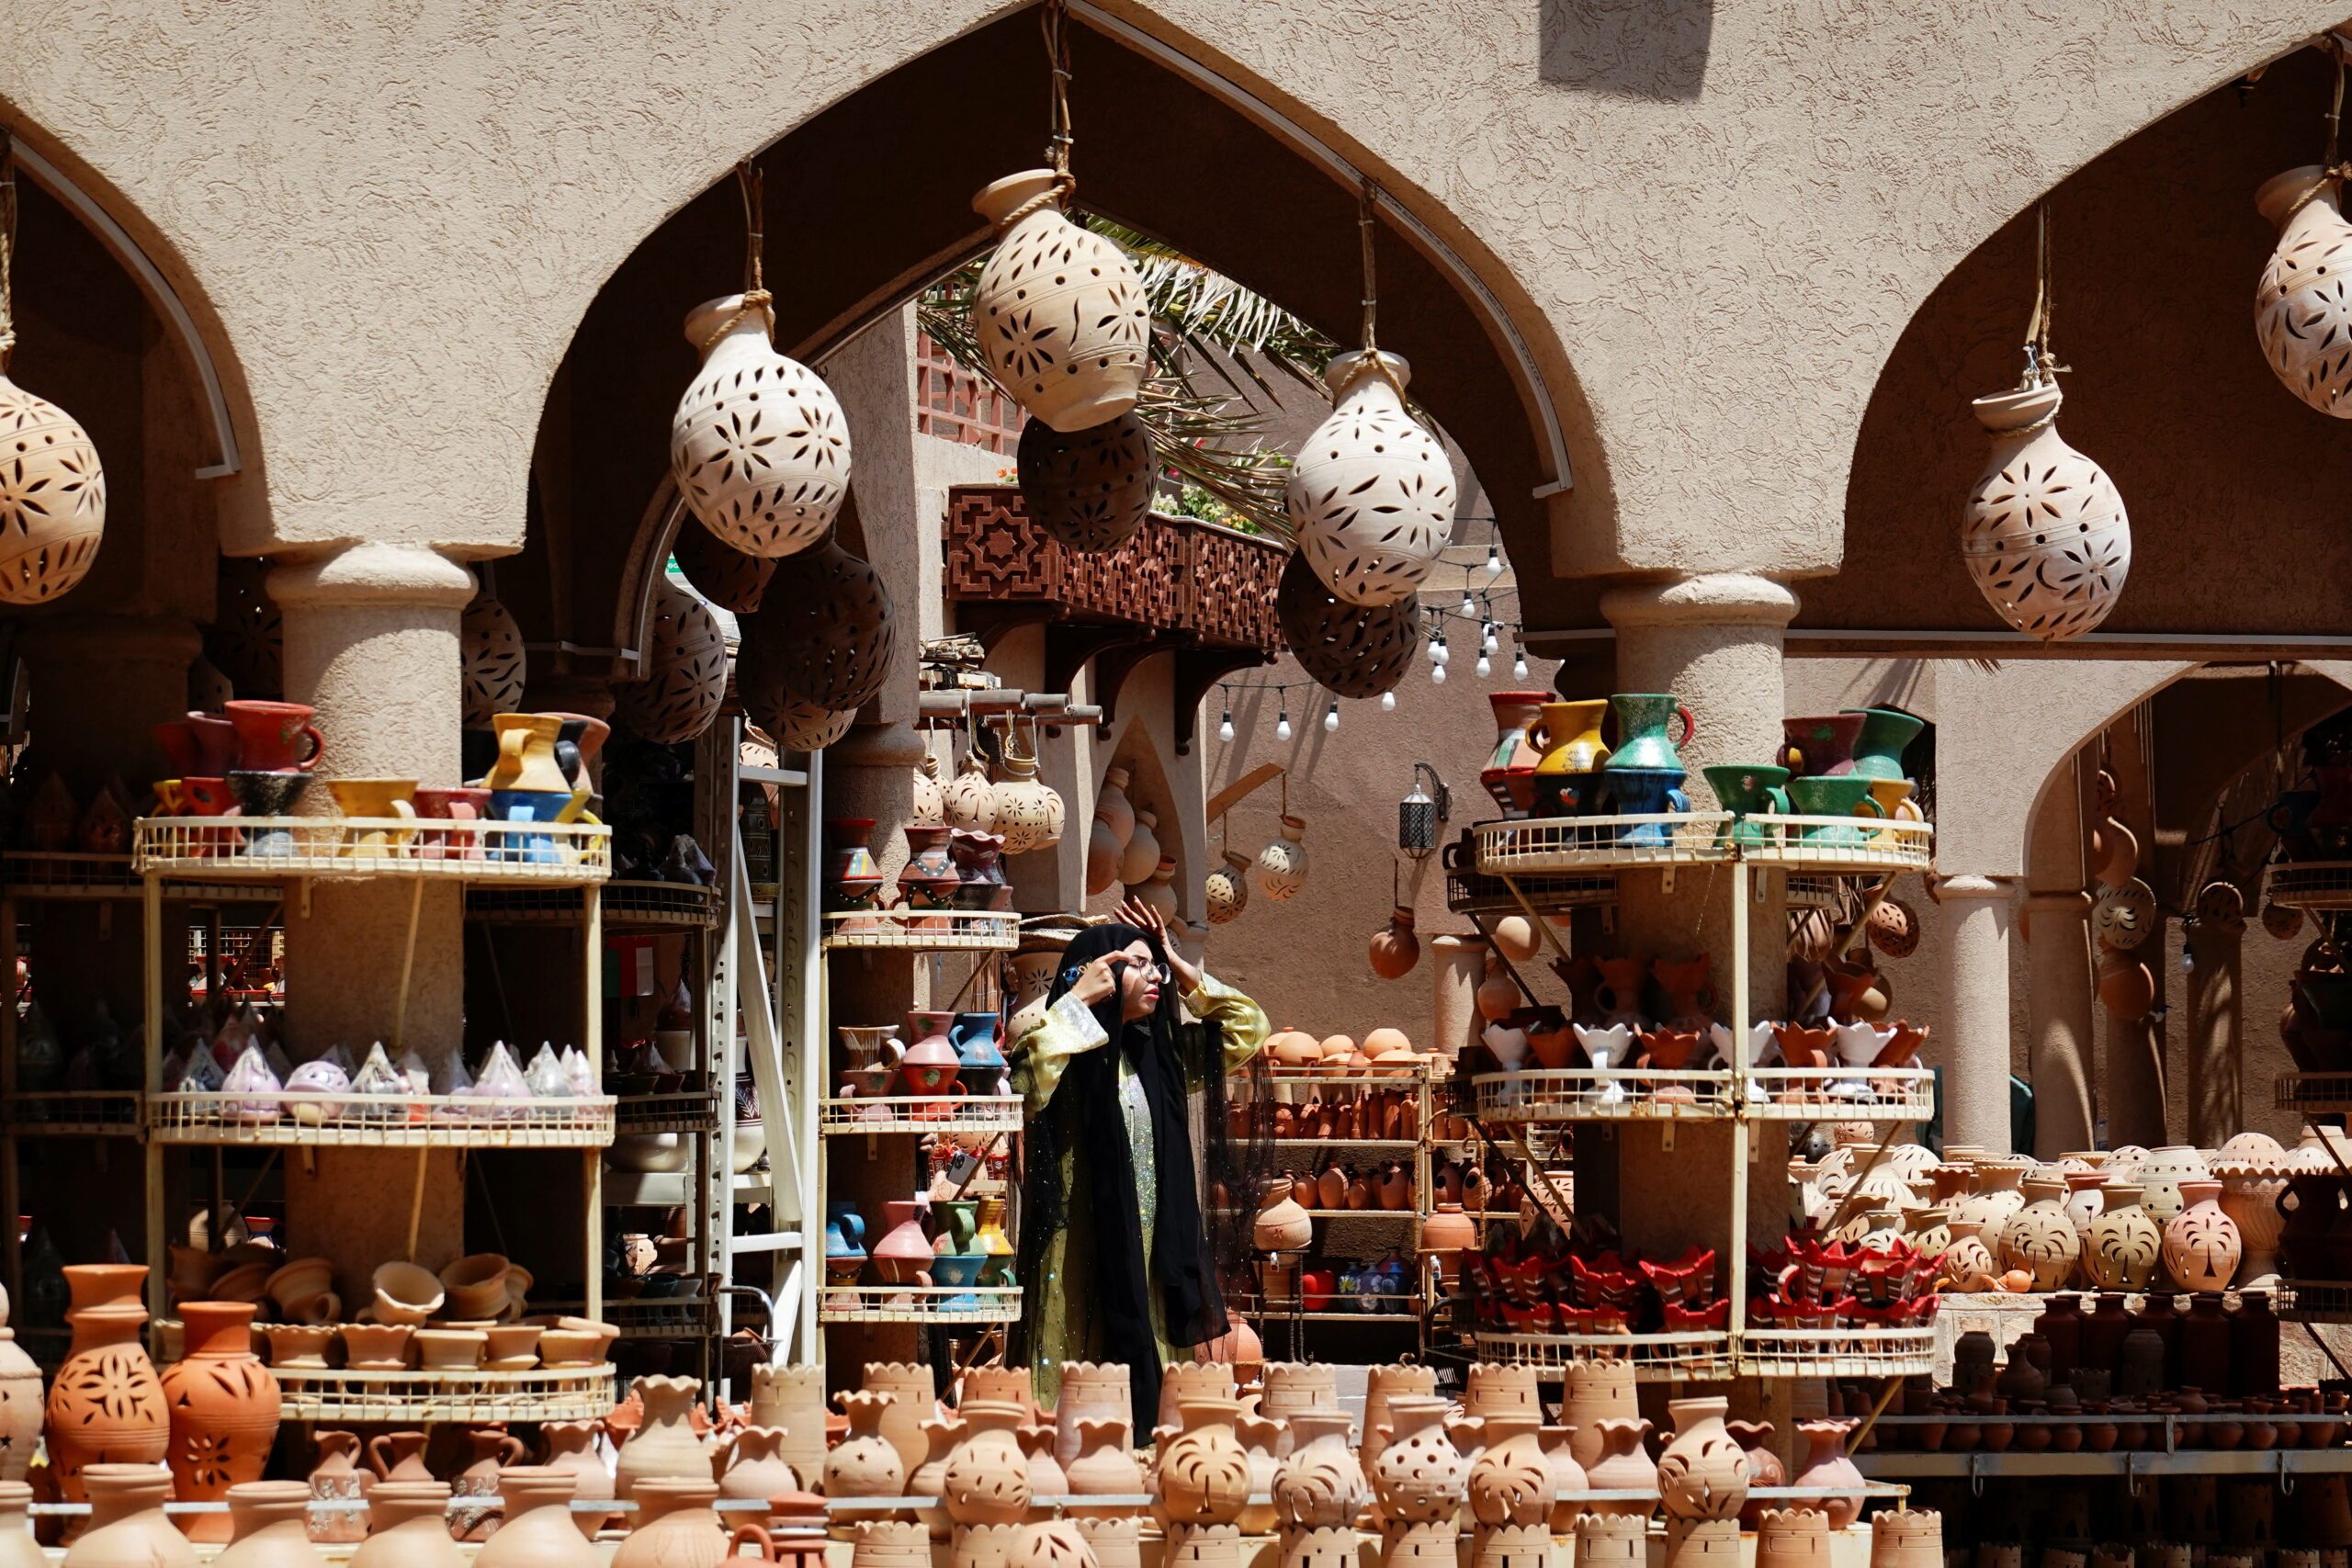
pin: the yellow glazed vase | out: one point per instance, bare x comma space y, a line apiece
1569, 737
526, 757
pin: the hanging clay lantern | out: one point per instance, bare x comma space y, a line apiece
1227, 888
685, 670
2045, 533
2122, 917
1058, 312
969, 799
759, 447
52, 487
1894, 929
2302, 307
1370, 496
490, 652
247, 638
1028, 810
1395, 948
1090, 489
1353, 650
1281, 865
928, 806
789, 720
829, 625
718, 571
1141, 857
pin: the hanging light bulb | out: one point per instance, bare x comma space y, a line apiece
1494, 559
1225, 726
1442, 655
1331, 716
2187, 960
1486, 667
1486, 638
1519, 665
1388, 700
1282, 725
1469, 605
1437, 675
1430, 648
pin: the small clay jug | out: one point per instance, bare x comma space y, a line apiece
572, 1445
675, 1525
490, 1448
408, 1527
752, 1466
398, 1456
537, 1531
268, 1527
338, 1478
128, 1526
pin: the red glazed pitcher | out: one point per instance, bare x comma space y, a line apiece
270, 733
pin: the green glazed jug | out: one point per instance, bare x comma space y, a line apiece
1746, 790
1878, 750
1641, 719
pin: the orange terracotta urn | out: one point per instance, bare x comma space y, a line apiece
224, 1410
106, 1404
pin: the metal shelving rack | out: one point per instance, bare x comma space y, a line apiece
1528, 857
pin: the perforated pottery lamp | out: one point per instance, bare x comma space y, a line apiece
1421, 815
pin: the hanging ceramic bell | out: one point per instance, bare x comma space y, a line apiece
52, 498
1227, 888
1058, 312
1028, 810
2044, 532
759, 447
718, 571
685, 670
1141, 857
969, 800
490, 654
1281, 865
826, 621
1090, 489
1372, 494
2302, 307
1353, 651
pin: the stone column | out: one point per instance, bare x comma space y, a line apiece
1976, 990
2216, 1032
2056, 928
371, 642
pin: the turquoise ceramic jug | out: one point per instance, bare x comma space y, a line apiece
1878, 750
1641, 719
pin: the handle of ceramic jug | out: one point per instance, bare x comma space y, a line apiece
1676, 801
379, 1449
758, 1535
1905, 811
1866, 807
318, 748
1689, 725
511, 1447
1776, 801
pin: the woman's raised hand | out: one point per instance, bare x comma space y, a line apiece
1096, 983
1135, 912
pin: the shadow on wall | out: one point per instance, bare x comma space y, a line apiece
1645, 48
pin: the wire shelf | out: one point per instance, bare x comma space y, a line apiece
2313, 1094
2314, 1301
1807, 891
414, 1121
1840, 1094
694, 1110
2309, 885
1837, 1352
918, 1303
205, 848
624, 907
1476, 893
1848, 845
932, 930
1655, 1358
566, 1394
922, 1113
78, 1113
1599, 1094
38, 874
1571, 844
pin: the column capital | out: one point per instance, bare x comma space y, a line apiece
1722, 598
371, 575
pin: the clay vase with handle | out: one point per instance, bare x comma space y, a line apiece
398, 1456
407, 1525
106, 1405
492, 1448
338, 1478
224, 1409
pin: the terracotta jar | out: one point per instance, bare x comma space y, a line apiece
1826, 1464
269, 1526
2201, 1243
889, 1543
1282, 1225
491, 1447
1205, 1469
987, 1478
776, 493
128, 1526
1792, 1538
2051, 583
408, 1527
106, 1404
537, 1531
1097, 1391
1073, 353
751, 1466
1568, 1479
398, 1456
338, 1477
1622, 1465
941, 1434
20, 1403
1511, 1481
1370, 496
665, 1442
224, 1410
1105, 1465
2125, 1243
1265, 1440
675, 1527
17, 1546
1597, 1391
572, 1445
865, 1464
1420, 1475
1907, 1538
1189, 1380
1764, 1466
1702, 1474
1319, 1484
1381, 1384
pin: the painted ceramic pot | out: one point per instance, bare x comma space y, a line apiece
2201, 1246
106, 1405
759, 445
224, 1409
2125, 1243
275, 736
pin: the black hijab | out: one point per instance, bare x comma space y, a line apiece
1084, 1114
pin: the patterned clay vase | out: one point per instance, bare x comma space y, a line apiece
106, 1404
2201, 1243
1420, 1475
1371, 495
1105, 1465
1567, 1478
1702, 1474
1205, 1475
1060, 313
1826, 1464
2125, 1243
1321, 1484
1098, 1391
338, 1477
2161, 1177
1764, 1466
1511, 1482
54, 502
1281, 865
2045, 533
224, 1409
759, 445
1090, 489
2302, 315
865, 1464
2040, 1238
987, 1478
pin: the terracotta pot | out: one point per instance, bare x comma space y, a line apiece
1353, 650
1319, 1484
2298, 315
52, 540
1395, 948
1511, 1481
2201, 1243
1613, 1541
915, 1403
2044, 532
1370, 496
1622, 1465
987, 1478
1702, 1474
675, 1527
684, 671
490, 1448
1281, 1226
865, 1464
1420, 1475
1104, 1464
570, 1446
1793, 1538
1096, 1391
941, 1434
537, 1531
753, 1467
1764, 1466
759, 445
106, 1404
2125, 1242
407, 1525
269, 1526
338, 1477
128, 1526
1189, 1380
398, 1456
1281, 865
1826, 1464
665, 1442
1597, 1389
22, 1397
1907, 1538
2041, 1238
1204, 1477
1073, 352
1090, 489
224, 1410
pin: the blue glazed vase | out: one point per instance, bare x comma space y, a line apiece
1645, 792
